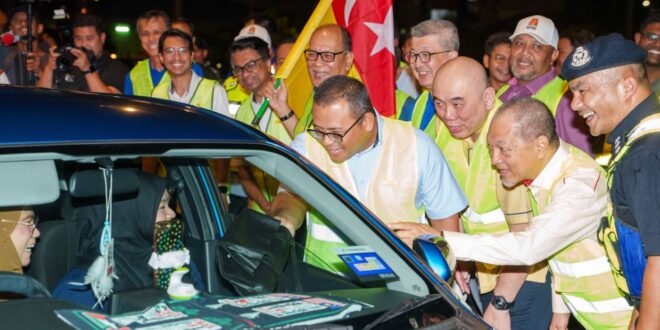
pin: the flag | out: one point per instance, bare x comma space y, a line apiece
370, 23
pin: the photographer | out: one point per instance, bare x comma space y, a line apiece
15, 60
86, 66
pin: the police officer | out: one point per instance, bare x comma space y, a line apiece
612, 93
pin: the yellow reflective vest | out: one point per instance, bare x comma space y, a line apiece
608, 232
479, 179
581, 273
389, 195
203, 96
140, 77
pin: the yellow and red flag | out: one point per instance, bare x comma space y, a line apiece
370, 23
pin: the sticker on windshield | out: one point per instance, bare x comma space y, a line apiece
366, 264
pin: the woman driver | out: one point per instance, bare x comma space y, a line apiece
18, 235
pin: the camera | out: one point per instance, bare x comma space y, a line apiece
65, 60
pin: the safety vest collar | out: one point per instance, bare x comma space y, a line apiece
621, 133
547, 177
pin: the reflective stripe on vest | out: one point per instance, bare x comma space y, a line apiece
202, 97
488, 218
604, 306
581, 274
581, 269
389, 195
322, 232
628, 279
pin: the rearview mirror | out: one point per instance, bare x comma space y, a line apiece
435, 251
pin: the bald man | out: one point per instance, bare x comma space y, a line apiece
330, 53
568, 194
466, 104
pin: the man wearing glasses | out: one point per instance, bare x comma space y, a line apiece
647, 38
434, 42
250, 55
329, 54
391, 167
186, 86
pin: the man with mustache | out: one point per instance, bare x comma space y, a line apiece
533, 50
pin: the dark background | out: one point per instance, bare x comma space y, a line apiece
218, 21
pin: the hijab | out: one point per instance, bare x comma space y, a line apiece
133, 222
10, 261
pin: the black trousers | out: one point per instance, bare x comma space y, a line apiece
532, 308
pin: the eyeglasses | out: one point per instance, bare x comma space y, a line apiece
170, 51
248, 67
411, 57
651, 36
32, 224
334, 137
312, 55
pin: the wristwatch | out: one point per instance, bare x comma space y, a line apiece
91, 69
500, 303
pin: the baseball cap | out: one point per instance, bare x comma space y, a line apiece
539, 27
600, 54
254, 31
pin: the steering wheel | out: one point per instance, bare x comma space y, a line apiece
23, 285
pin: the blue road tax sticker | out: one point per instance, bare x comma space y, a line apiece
366, 264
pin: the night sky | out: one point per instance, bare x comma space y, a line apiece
218, 21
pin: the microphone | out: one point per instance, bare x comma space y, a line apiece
9, 38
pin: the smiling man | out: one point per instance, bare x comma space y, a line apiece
433, 43
186, 86
648, 38
147, 73
394, 169
466, 104
613, 94
533, 50
497, 49
330, 53
568, 194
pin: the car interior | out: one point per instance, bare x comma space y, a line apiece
66, 183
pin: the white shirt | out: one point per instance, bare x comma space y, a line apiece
578, 204
220, 104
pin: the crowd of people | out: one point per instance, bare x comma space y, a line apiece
496, 158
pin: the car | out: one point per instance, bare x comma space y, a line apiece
54, 144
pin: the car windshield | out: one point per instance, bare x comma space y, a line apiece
218, 226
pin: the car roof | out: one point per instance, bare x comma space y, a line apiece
32, 116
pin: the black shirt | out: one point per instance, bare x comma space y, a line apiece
635, 188
111, 72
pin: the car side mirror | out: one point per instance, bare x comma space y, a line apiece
435, 251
